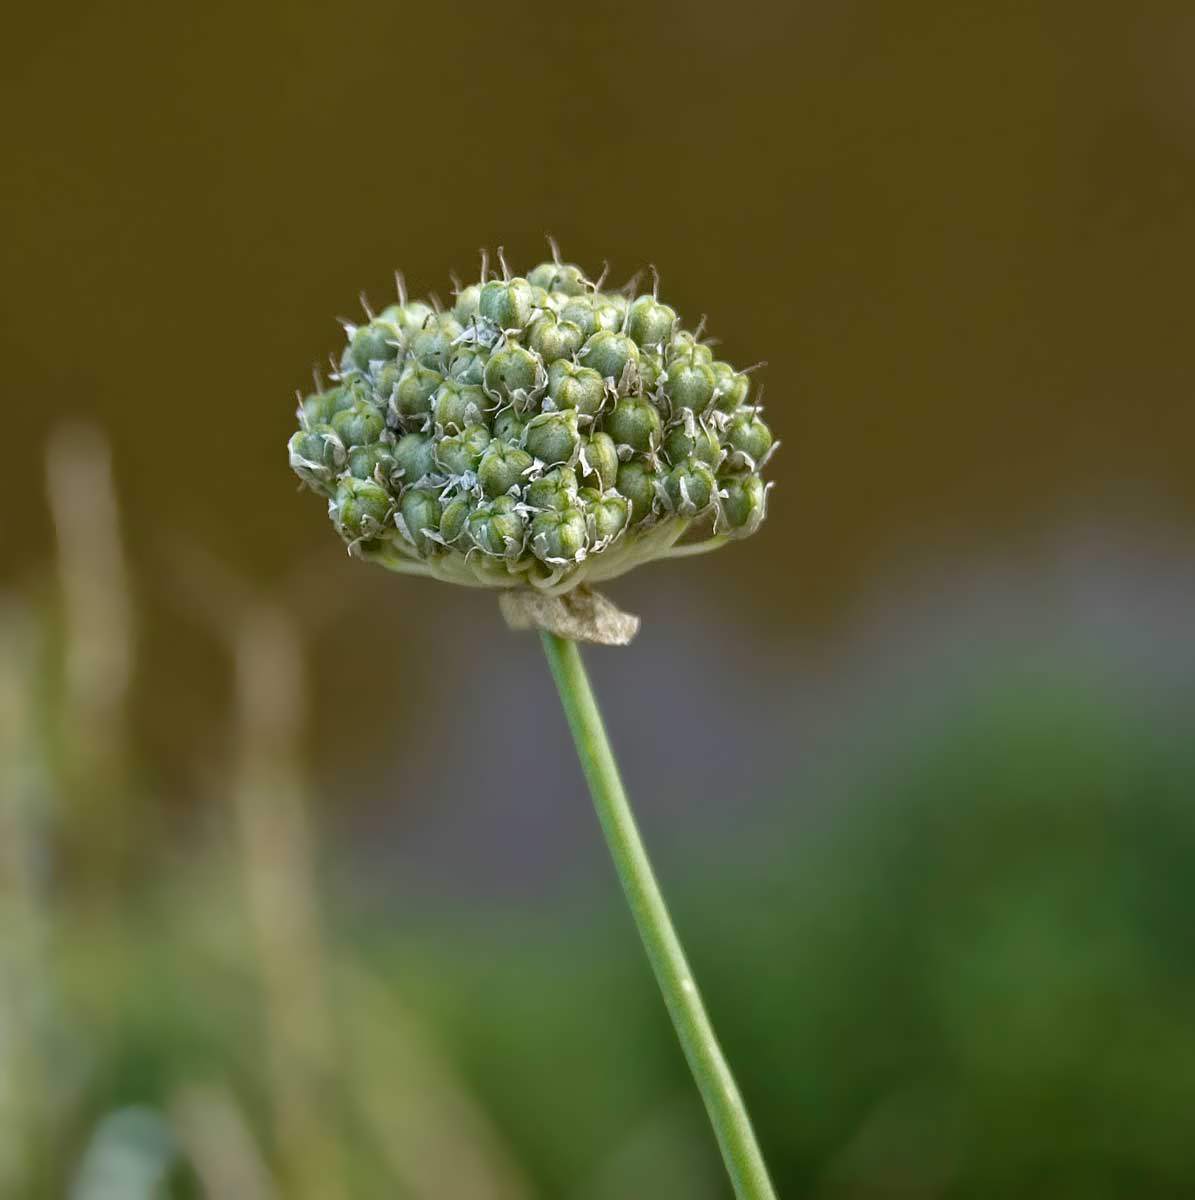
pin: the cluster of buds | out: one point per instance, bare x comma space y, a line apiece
539, 433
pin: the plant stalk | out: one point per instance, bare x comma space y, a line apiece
727, 1113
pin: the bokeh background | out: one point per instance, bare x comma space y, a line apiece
301, 895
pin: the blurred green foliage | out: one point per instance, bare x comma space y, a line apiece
962, 971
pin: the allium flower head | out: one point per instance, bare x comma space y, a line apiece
540, 433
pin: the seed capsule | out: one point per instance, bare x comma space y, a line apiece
502, 467
649, 322
748, 435
635, 422
559, 536
462, 452
421, 513
374, 462
414, 458
413, 393
507, 303
689, 384
743, 502
433, 344
637, 482
511, 370
563, 278
730, 387
690, 487
556, 490
378, 341
692, 440
360, 509
456, 405
574, 386
317, 455
552, 338
609, 354
599, 461
359, 425
552, 437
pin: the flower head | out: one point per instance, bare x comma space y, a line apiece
543, 433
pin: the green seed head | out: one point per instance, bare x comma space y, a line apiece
540, 433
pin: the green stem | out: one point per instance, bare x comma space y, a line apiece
727, 1113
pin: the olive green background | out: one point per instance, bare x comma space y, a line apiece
961, 235
914, 759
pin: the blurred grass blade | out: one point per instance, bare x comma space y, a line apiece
270, 802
